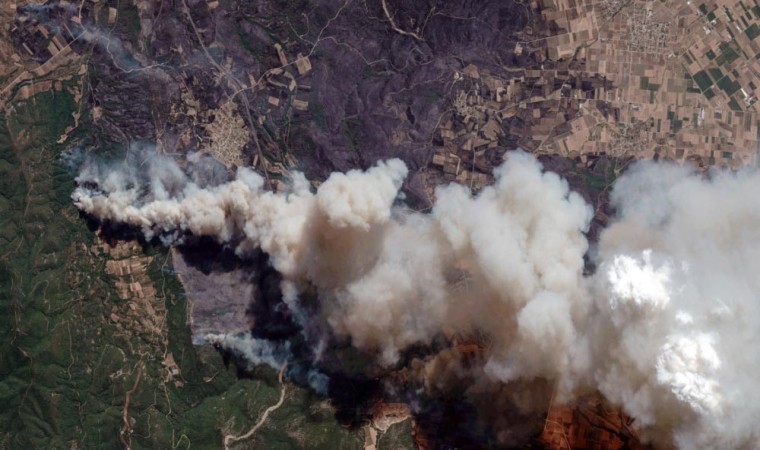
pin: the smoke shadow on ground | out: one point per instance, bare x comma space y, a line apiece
355, 383
272, 318
450, 422
112, 232
471, 412
352, 393
353, 396
207, 255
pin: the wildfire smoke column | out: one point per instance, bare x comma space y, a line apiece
666, 327
678, 298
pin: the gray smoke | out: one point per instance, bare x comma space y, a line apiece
275, 354
254, 351
664, 328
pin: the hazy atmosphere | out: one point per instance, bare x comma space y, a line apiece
662, 325
379, 224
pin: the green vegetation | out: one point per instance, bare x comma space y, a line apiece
67, 366
703, 80
753, 31
734, 105
675, 125
37, 385
715, 73
317, 112
727, 55
284, 22
352, 130
728, 85
127, 22
646, 85
596, 180
690, 86
398, 436
653, 87
431, 97
261, 54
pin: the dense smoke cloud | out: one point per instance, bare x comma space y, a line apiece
389, 278
665, 327
678, 295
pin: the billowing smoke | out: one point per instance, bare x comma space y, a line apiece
509, 259
678, 298
665, 326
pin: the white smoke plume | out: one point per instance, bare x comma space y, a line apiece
678, 298
664, 328
508, 259
256, 351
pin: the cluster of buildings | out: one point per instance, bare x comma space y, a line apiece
681, 79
